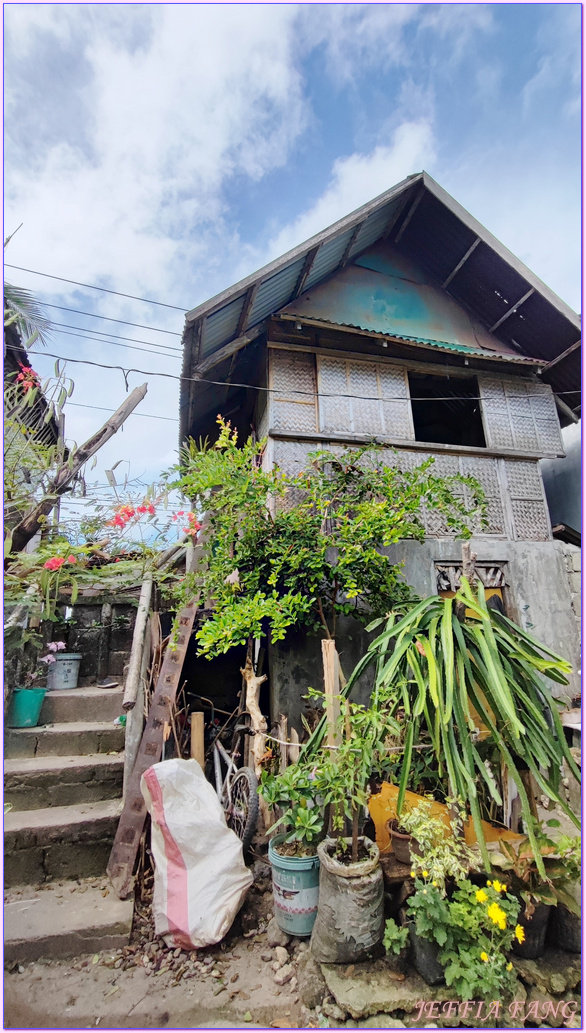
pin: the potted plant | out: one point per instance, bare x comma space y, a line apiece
539, 894
26, 700
472, 932
293, 853
350, 919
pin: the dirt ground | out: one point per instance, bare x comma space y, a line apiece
147, 985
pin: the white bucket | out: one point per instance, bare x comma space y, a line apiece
63, 674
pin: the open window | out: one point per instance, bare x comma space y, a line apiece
446, 410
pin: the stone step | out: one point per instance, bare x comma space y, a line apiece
38, 782
82, 704
62, 920
72, 842
64, 739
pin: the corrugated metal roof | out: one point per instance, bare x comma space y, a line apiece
437, 234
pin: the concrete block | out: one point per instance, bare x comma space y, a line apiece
82, 704
64, 740
575, 582
577, 560
39, 782
62, 922
59, 842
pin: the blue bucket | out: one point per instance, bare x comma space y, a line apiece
295, 890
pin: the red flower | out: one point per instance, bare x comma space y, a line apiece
141, 509
180, 512
72, 559
54, 563
151, 508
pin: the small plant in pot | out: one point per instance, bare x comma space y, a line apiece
26, 700
539, 895
472, 932
293, 853
350, 920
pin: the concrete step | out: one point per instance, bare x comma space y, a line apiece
64, 739
62, 920
34, 782
85, 704
71, 842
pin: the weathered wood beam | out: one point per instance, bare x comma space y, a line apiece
410, 213
247, 308
565, 409
464, 259
401, 207
305, 271
31, 522
512, 309
229, 349
562, 356
350, 244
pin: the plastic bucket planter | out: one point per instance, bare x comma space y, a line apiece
25, 708
295, 890
64, 672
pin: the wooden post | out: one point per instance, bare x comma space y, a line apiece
197, 742
293, 748
332, 689
258, 722
31, 522
283, 749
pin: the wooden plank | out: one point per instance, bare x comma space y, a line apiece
350, 245
305, 271
512, 309
197, 741
564, 355
228, 350
410, 214
332, 689
464, 259
130, 826
247, 308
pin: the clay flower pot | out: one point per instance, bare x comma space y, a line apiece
401, 842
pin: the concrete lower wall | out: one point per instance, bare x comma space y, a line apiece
537, 597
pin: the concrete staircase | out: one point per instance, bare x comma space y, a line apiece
64, 782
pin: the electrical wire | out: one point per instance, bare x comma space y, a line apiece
145, 415
115, 344
119, 337
267, 390
95, 315
93, 287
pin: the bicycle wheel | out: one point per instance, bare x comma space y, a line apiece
242, 815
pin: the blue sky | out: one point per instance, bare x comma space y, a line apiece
165, 151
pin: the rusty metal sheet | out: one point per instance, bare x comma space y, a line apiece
383, 291
130, 826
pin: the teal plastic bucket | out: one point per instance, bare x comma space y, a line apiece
25, 708
295, 890
63, 674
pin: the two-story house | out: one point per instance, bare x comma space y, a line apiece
406, 322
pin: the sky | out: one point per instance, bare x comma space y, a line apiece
166, 151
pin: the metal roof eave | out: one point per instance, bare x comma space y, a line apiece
348, 222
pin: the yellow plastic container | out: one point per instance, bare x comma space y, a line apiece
383, 806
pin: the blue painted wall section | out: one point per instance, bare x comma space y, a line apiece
383, 291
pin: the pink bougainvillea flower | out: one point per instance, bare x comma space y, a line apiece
72, 558
180, 512
47, 659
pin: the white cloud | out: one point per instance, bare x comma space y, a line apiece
360, 177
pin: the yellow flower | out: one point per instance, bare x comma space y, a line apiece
484, 956
509, 966
520, 933
412, 875
481, 896
503, 887
497, 916
425, 874
434, 883
498, 886
488, 882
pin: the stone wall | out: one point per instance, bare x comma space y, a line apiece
573, 558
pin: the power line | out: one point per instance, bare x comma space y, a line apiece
268, 390
118, 337
146, 415
116, 344
93, 287
95, 315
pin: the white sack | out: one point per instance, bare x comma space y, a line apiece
200, 876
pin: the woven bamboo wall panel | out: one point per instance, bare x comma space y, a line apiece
364, 398
293, 381
520, 415
531, 523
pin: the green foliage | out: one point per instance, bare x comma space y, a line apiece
474, 930
438, 853
395, 937
286, 551
562, 862
432, 667
295, 790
